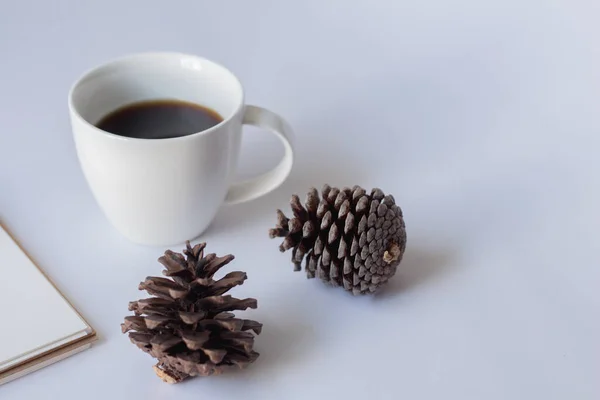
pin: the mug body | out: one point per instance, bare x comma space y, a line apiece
158, 191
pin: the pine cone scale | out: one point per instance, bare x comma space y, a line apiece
191, 318
195, 337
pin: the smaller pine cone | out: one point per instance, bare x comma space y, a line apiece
187, 324
346, 237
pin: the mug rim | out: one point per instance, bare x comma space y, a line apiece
133, 56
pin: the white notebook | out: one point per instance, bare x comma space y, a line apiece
40, 326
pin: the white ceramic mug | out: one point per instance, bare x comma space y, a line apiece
166, 191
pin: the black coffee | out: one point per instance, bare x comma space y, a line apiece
159, 119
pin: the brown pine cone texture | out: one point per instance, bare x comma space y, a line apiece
187, 324
346, 237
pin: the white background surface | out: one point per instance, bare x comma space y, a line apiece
481, 117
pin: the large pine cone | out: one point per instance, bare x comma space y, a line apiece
348, 238
187, 325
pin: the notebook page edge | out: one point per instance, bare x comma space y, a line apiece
42, 350
46, 360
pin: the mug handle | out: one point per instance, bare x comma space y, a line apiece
256, 187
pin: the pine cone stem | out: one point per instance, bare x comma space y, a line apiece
392, 254
169, 375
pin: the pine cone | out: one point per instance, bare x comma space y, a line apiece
348, 237
187, 325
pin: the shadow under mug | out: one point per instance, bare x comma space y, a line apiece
166, 191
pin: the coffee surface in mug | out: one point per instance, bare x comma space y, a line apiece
159, 119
